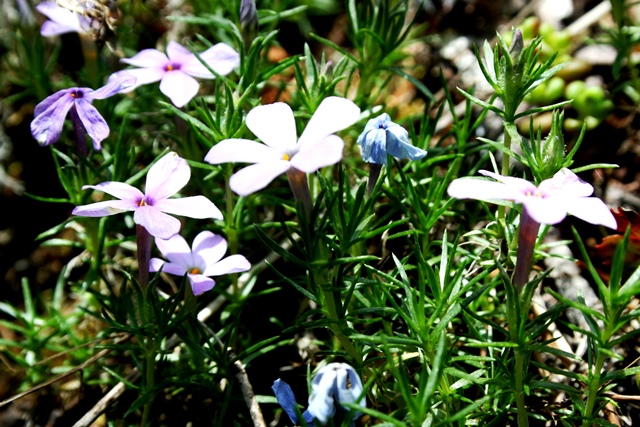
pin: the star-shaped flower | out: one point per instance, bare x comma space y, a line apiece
176, 70
202, 260
62, 20
275, 125
381, 136
549, 203
46, 127
164, 179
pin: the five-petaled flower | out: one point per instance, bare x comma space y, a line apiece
62, 20
202, 260
164, 179
275, 125
176, 70
549, 203
381, 136
47, 125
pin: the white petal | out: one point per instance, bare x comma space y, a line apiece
110, 207
193, 207
179, 87
231, 264
118, 189
315, 155
148, 58
221, 58
166, 177
565, 184
592, 210
200, 283
175, 250
333, 114
482, 189
256, 177
241, 150
158, 224
210, 247
167, 267
275, 125
143, 76
178, 54
545, 211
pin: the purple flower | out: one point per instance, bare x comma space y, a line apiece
176, 70
549, 203
275, 125
203, 259
164, 179
62, 20
46, 127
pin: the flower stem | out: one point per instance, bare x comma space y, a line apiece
504, 172
526, 244
143, 241
149, 367
374, 174
229, 225
300, 188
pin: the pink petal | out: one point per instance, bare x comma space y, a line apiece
96, 127
143, 76
314, 155
221, 58
565, 184
52, 28
166, 177
193, 207
545, 211
592, 210
333, 114
178, 54
155, 264
200, 283
110, 207
256, 177
158, 224
148, 58
210, 247
62, 19
275, 125
231, 264
241, 150
176, 250
482, 189
179, 87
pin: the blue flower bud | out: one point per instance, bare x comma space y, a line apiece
381, 136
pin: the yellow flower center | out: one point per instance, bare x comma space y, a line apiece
536, 194
285, 156
169, 67
142, 202
195, 271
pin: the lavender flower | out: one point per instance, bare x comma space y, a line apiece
61, 20
164, 179
335, 383
381, 136
46, 127
549, 203
176, 70
275, 125
202, 260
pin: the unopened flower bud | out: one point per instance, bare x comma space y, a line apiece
517, 44
551, 150
248, 20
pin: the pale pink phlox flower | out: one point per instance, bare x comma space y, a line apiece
202, 260
549, 203
275, 125
62, 20
164, 179
176, 69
